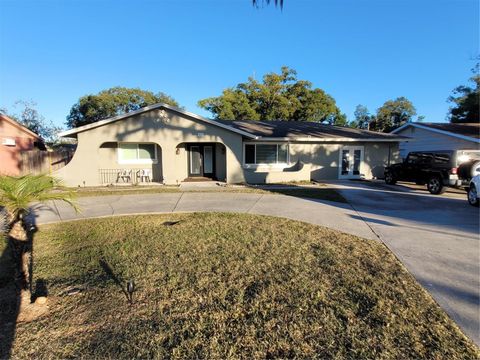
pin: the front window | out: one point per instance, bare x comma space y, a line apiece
266, 154
133, 153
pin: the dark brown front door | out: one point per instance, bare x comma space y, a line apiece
201, 160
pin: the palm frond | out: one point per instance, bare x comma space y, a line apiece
277, 2
17, 193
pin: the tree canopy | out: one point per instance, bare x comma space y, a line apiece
393, 114
112, 102
278, 97
29, 117
466, 100
362, 117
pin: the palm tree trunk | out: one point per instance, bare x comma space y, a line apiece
21, 245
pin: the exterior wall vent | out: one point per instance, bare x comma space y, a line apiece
8, 142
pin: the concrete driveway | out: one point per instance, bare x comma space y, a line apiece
436, 238
338, 216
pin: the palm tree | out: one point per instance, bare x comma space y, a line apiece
16, 196
277, 2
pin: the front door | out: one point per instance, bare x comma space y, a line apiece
201, 160
351, 159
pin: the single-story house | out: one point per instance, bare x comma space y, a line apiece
165, 144
438, 136
15, 139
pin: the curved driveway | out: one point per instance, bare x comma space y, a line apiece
436, 237
335, 215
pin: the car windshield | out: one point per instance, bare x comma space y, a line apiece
412, 158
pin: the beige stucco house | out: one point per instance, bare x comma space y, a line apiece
164, 144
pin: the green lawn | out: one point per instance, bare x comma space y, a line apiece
219, 286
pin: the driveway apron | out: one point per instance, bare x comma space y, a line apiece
435, 237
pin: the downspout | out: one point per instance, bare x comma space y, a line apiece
389, 153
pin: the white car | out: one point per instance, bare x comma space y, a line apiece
474, 191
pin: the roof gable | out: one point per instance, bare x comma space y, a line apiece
465, 131
19, 126
145, 109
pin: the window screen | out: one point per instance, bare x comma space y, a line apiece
143, 153
128, 151
266, 154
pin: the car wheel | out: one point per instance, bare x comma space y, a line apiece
389, 179
472, 196
435, 185
468, 170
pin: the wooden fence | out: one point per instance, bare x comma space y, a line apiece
38, 162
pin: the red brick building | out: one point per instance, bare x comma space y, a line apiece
15, 139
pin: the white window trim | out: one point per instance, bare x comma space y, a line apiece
282, 165
136, 161
360, 168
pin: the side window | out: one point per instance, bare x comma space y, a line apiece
412, 158
443, 159
425, 159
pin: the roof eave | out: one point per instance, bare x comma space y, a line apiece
316, 139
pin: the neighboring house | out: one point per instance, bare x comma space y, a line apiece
171, 145
438, 136
15, 139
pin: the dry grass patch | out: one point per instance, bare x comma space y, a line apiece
229, 286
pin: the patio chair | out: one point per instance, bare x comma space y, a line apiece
144, 175
125, 175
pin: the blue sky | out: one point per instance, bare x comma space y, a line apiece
359, 51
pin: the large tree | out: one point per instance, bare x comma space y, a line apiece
466, 100
362, 118
113, 102
277, 97
29, 117
393, 114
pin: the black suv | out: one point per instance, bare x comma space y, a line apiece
437, 169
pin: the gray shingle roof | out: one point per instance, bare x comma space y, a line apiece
304, 129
